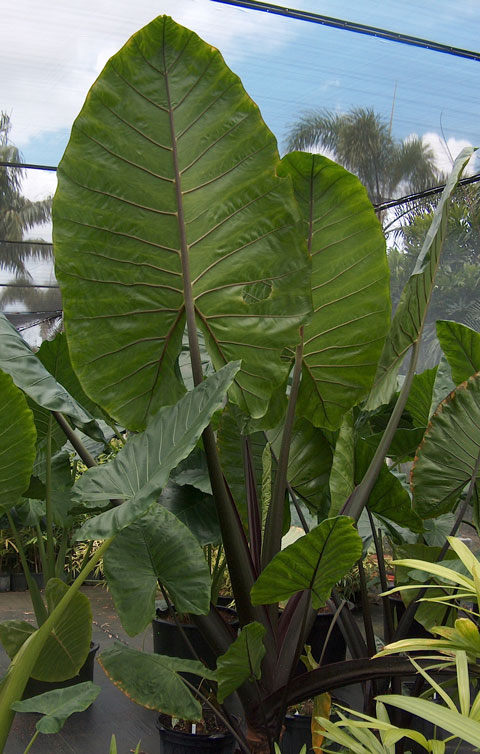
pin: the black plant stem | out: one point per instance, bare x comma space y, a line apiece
366, 611
298, 508
387, 608
359, 497
86, 457
273, 527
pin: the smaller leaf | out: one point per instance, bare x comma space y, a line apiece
158, 546
154, 680
141, 469
241, 661
315, 562
461, 346
56, 706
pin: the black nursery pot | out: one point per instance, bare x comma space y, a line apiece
168, 639
178, 742
297, 733
336, 649
34, 687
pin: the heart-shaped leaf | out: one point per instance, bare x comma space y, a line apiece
157, 547
154, 680
315, 562
141, 469
56, 706
192, 214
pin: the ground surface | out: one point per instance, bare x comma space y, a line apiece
87, 732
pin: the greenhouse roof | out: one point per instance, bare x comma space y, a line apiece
51, 53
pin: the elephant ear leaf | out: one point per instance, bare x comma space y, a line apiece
449, 452
17, 443
192, 217
350, 287
461, 346
407, 324
241, 661
31, 376
314, 562
141, 469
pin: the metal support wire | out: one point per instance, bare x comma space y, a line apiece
338, 23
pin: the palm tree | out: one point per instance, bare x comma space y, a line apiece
362, 142
18, 215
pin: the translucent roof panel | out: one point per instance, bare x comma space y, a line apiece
52, 52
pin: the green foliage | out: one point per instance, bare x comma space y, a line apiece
17, 443
29, 374
155, 680
181, 227
351, 309
57, 706
448, 452
140, 470
461, 346
242, 660
314, 562
156, 547
409, 317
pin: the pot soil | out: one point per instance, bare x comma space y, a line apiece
210, 737
34, 687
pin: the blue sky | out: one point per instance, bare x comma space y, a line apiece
52, 51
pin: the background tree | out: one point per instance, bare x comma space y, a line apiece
362, 142
457, 288
17, 216
17, 213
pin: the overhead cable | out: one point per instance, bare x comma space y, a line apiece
377, 207
338, 23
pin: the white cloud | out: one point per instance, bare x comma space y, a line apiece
446, 151
51, 52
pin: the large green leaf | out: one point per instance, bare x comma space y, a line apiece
168, 194
342, 475
315, 562
158, 546
461, 346
195, 509
141, 469
241, 661
309, 464
388, 499
17, 443
29, 374
67, 645
350, 287
154, 680
56, 706
419, 403
411, 311
447, 457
